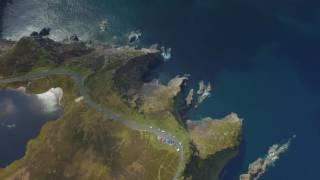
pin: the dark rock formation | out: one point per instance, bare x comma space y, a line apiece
60, 52
130, 77
34, 34
44, 32
30, 52
259, 167
74, 37
207, 169
134, 37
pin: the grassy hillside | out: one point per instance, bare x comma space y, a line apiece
214, 135
84, 145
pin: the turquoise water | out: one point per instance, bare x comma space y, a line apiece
261, 56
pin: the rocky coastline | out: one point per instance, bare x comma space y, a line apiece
257, 168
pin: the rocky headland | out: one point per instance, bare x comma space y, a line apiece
213, 135
259, 167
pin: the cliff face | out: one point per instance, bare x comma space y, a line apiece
209, 168
215, 143
130, 77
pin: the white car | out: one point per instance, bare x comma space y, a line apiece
163, 131
150, 127
178, 149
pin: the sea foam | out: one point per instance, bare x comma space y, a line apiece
51, 99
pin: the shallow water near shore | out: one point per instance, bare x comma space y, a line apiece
261, 57
20, 121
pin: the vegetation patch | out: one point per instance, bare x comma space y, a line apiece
211, 136
23, 57
82, 144
102, 89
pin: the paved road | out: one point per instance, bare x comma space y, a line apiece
108, 113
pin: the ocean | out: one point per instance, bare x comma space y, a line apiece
261, 57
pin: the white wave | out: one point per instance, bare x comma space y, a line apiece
166, 53
51, 99
23, 17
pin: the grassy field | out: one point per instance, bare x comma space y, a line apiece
102, 90
23, 57
84, 145
214, 135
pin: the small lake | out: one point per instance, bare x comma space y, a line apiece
21, 119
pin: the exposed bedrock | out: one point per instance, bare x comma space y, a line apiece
130, 78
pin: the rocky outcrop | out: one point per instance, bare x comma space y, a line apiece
29, 53
166, 53
134, 37
130, 78
189, 98
157, 97
61, 52
259, 166
203, 92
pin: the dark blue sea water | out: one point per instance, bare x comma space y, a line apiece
20, 121
261, 56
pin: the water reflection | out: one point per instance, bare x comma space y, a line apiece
21, 119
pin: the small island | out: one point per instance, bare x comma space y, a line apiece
117, 123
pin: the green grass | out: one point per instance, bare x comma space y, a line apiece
23, 57
84, 145
212, 136
83, 71
101, 89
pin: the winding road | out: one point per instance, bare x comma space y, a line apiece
108, 113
